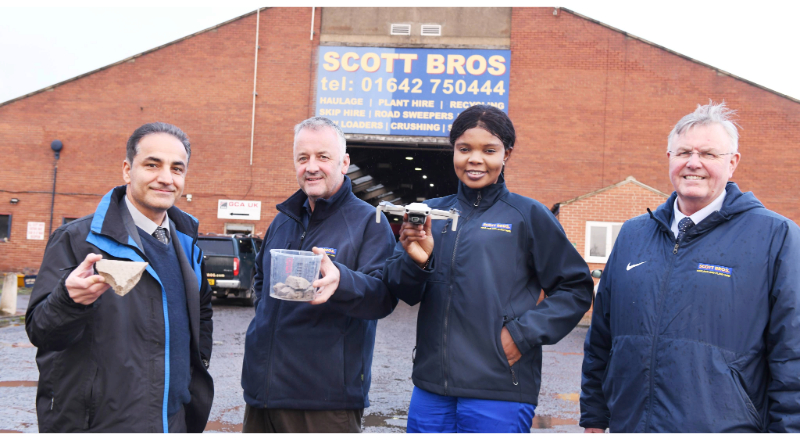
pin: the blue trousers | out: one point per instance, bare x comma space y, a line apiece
431, 412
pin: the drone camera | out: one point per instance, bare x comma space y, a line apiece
416, 219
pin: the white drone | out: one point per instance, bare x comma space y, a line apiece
417, 213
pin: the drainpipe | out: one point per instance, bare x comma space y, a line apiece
255, 77
312, 23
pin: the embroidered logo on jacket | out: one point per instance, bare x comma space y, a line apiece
505, 227
715, 269
328, 250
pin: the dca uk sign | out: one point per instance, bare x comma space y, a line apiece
409, 92
239, 209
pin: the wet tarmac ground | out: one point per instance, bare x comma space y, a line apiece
390, 393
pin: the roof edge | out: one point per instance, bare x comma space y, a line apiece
53, 86
629, 179
658, 46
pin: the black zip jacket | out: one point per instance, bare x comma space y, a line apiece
486, 275
318, 357
104, 367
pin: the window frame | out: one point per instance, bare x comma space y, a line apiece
8, 232
609, 242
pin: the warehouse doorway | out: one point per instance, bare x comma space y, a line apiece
401, 173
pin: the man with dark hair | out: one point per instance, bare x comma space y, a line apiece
695, 320
307, 365
135, 362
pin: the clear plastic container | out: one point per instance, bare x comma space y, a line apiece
292, 273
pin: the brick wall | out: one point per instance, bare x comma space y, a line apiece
591, 107
202, 84
614, 205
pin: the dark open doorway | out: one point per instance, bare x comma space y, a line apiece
401, 174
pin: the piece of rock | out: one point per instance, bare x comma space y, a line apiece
295, 289
297, 283
284, 292
121, 275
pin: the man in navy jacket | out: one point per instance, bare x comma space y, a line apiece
307, 365
696, 316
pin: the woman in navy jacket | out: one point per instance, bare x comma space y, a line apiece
478, 357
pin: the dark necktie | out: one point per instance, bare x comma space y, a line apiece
684, 225
161, 235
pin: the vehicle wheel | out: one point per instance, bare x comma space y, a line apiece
250, 294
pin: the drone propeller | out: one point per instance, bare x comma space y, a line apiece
388, 208
438, 214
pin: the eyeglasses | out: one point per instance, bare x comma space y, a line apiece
704, 156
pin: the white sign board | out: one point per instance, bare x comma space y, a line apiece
239, 209
35, 230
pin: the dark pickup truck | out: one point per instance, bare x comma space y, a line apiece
230, 264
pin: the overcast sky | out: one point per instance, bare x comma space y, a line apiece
41, 46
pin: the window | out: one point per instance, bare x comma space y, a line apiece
65, 220
5, 227
218, 246
238, 228
600, 238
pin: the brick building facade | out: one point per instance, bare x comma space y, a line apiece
603, 211
591, 105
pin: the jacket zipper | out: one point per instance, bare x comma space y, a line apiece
656, 332
678, 244
450, 295
275, 319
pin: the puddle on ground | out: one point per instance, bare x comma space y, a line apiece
218, 426
393, 421
546, 422
18, 383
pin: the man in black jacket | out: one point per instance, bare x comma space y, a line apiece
307, 365
137, 362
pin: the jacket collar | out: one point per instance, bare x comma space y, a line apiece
323, 208
112, 219
736, 202
488, 194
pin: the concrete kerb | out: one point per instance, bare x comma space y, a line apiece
8, 320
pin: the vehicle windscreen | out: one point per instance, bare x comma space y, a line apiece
216, 247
